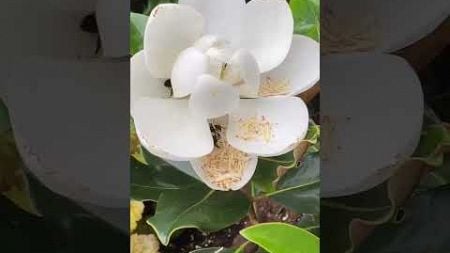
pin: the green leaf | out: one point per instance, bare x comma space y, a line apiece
213, 250
313, 137
299, 188
136, 150
149, 181
197, 207
13, 182
421, 228
282, 238
266, 170
137, 29
438, 176
21, 197
5, 124
432, 141
306, 17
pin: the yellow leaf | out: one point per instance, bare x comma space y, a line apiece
13, 182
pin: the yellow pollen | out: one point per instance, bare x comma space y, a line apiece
144, 243
225, 166
136, 209
254, 128
274, 87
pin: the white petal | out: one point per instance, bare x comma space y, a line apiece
201, 168
213, 98
301, 68
41, 26
112, 23
142, 84
78, 155
281, 122
218, 57
404, 23
158, 152
170, 29
267, 30
206, 42
222, 16
167, 126
191, 64
372, 129
245, 64
390, 25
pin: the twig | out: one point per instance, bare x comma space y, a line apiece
310, 94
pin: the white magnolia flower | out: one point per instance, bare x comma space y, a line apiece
234, 70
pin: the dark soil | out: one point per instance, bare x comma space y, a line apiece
269, 211
191, 239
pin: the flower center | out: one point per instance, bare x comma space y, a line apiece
225, 166
220, 53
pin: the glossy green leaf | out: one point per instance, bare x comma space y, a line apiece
282, 238
432, 141
299, 188
313, 137
22, 198
266, 171
306, 17
137, 29
4, 118
439, 176
197, 207
149, 181
13, 182
421, 227
432, 137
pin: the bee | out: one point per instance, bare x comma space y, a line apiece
216, 131
168, 85
89, 24
223, 69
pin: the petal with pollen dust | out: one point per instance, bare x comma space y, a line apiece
268, 126
301, 68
